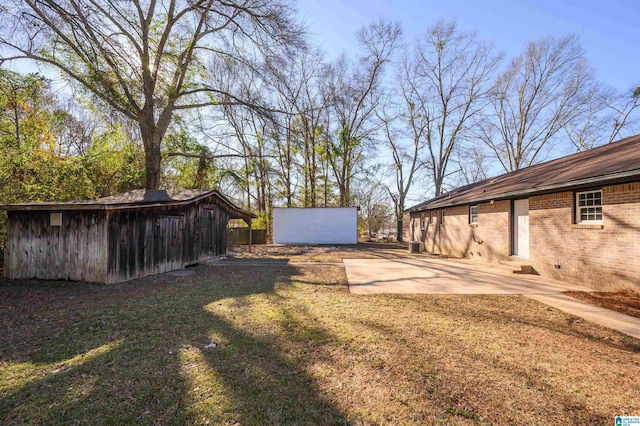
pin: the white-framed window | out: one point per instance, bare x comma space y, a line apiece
422, 227
442, 216
589, 207
473, 214
431, 217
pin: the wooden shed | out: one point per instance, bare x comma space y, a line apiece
117, 238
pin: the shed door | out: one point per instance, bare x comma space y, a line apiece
169, 237
210, 244
521, 228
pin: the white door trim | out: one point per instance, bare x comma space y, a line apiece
521, 228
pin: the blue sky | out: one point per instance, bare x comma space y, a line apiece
608, 29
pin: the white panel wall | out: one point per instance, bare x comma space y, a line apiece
331, 225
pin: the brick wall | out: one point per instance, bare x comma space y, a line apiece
453, 237
494, 230
487, 240
603, 256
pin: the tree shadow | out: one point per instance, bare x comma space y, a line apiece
267, 387
577, 410
571, 326
115, 354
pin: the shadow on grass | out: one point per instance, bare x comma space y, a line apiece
572, 326
439, 380
134, 354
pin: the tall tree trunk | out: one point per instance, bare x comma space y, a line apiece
307, 174
399, 217
247, 180
438, 179
151, 140
287, 174
16, 114
201, 172
152, 133
313, 172
343, 187
326, 173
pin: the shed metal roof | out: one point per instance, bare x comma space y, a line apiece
138, 198
613, 163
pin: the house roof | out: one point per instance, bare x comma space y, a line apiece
613, 163
138, 198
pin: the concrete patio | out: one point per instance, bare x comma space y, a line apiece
454, 276
450, 276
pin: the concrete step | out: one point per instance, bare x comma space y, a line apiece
518, 266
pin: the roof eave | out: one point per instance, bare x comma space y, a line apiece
237, 212
240, 213
51, 207
613, 178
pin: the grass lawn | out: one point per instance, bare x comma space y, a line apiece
293, 346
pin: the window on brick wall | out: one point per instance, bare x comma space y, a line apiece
430, 217
589, 207
442, 216
422, 221
473, 214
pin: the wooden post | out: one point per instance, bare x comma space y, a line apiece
250, 235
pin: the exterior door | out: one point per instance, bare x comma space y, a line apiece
169, 237
521, 228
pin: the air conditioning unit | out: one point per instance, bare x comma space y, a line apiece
416, 247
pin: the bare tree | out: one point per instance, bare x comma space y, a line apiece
373, 203
621, 106
446, 85
405, 150
299, 96
607, 117
473, 164
144, 58
251, 132
353, 93
73, 129
542, 91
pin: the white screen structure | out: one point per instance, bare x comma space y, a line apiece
331, 225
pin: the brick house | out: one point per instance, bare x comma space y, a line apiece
575, 219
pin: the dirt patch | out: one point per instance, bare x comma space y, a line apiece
627, 301
325, 253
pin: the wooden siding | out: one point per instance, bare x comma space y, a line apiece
161, 239
143, 242
240, 236
205, 233
109, 246
73, 251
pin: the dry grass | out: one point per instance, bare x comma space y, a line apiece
293, 346
305, 253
